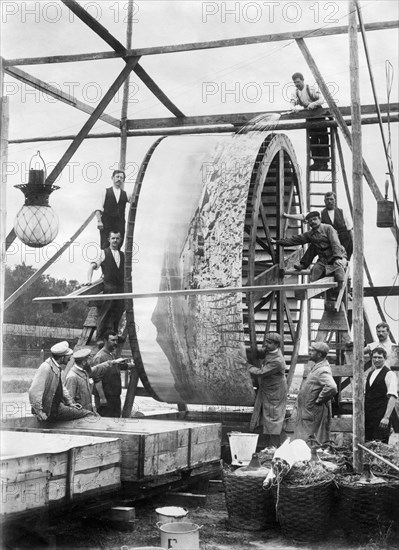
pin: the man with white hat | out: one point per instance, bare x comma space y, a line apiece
314, 398
77, 381
48, 396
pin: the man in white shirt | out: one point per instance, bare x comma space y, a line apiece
307, 97
111, 214
380, 398
112, 263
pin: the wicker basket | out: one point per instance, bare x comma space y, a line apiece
249, 506
366, 509
303, 511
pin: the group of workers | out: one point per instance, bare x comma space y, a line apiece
330, 240
54, 399
313, 407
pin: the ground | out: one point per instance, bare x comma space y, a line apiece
95, 533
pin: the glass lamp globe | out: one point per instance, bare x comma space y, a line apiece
36, 224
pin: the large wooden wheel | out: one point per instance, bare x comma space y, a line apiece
275, 188
213, 232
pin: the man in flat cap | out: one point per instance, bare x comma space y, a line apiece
314, 398
77, 381
324, 243
271, 397
48, 396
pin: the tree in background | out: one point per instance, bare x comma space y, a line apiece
25, 312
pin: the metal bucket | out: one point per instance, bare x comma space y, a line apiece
180, 535
242, 447
171, 514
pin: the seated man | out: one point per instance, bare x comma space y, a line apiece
324, 241
48, 396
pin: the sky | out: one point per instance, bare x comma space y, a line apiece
227, 80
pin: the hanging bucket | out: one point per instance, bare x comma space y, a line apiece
171, 514
242, 447
182, 535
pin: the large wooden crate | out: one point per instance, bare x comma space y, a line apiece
150, 448
43, 470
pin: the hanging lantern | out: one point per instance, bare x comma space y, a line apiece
36, 224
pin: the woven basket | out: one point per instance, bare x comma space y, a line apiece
303, 511
366, 509
249, 506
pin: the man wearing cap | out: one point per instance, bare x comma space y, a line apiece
380, 397
48, 396
77, 381
325, 245
314, 398
271, 397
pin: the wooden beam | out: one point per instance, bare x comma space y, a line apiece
192, 46
95, 25
313, 289
244, 118
341, 122
57, 94
4, 120
225, 129
11, 299
372, 291
91, 122
125, 101
119, 48
358, 243
156, 90
198, 291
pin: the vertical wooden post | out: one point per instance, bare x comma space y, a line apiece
357, 177
125, 101
4, 119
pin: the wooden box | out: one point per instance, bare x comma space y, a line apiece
42, 470
150, 448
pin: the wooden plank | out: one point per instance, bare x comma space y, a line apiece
241, 41
373, 291
243, 118
319, 286
58, 94
4, 123
315, 289
227, 128
11, 299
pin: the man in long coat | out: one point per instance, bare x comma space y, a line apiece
271, 398
314, 398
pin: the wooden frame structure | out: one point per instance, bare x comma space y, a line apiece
179, 123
